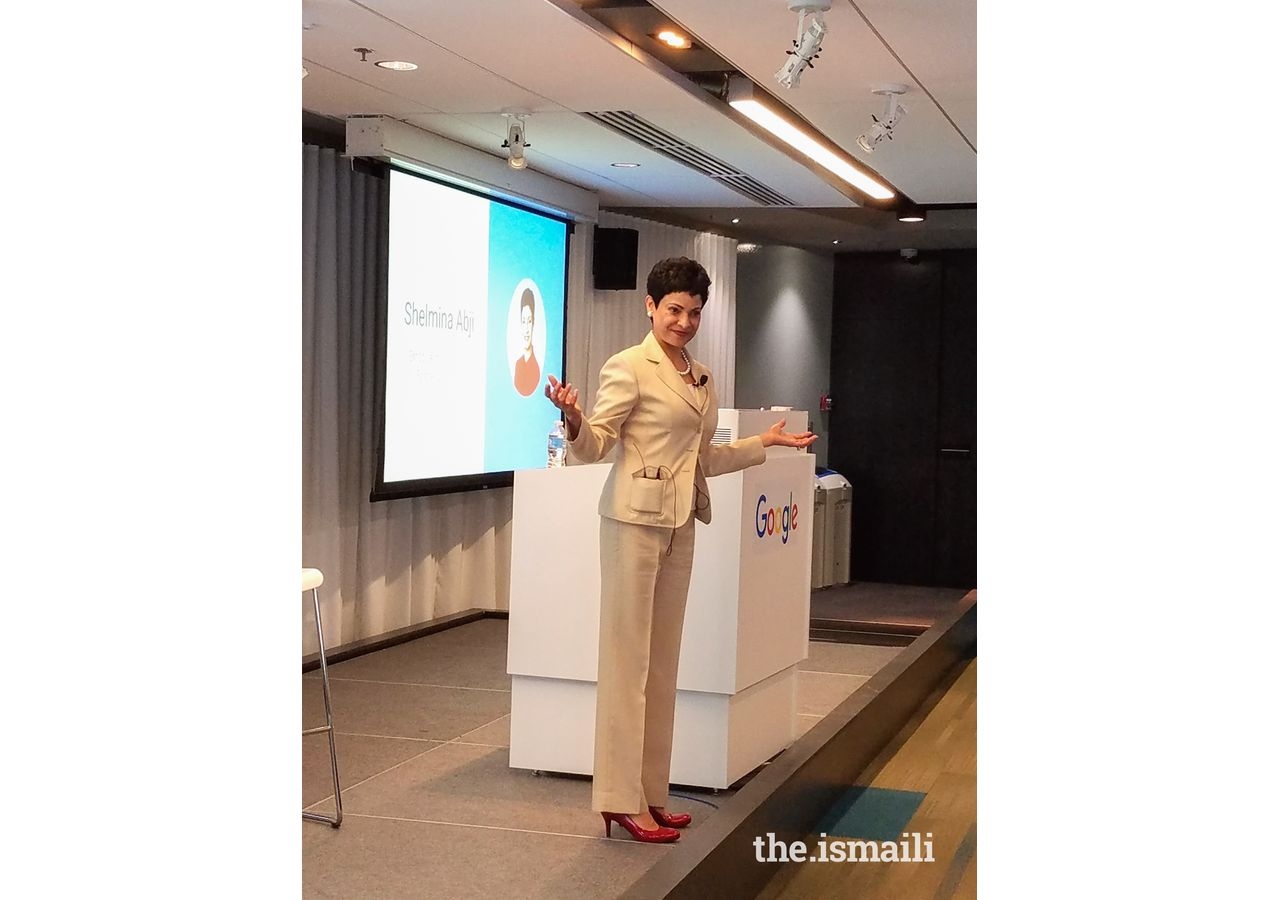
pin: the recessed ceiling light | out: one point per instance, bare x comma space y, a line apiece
835, 242
396, 65
736, 221
625, 165
911, 214
672, 39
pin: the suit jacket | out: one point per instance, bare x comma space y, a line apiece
662, 428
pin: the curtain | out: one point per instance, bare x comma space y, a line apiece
393, 563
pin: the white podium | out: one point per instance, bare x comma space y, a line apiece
746, 626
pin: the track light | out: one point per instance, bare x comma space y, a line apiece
894, 112
515, 142
804, 49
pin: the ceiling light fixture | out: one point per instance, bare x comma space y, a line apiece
515, 142
753, 106
736, 221
804, 49
396, 65
305, 73
673, 39
911, 213
625, 165
894, 112
836, 241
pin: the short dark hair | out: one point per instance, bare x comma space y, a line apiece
526, 299
678, 275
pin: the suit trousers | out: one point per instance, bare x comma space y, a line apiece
644, 584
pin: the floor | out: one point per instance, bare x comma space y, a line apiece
907, 605
431, 807
924, 782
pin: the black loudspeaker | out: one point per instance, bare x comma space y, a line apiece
614, 266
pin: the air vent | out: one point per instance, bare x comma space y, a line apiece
745, 184
670, 146
722, 436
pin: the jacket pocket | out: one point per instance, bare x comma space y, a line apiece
647, 494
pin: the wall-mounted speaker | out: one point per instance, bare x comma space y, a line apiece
614, 259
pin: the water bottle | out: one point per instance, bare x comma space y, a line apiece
556, 446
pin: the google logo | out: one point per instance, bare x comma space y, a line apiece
771, 520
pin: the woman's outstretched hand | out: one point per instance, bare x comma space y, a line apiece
776, 436
565, 398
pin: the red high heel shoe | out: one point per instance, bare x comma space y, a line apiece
659, 835
671, 820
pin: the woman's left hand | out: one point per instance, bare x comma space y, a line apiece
776, 436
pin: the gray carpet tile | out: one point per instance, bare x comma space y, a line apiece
848, 659
901, 604
380, 859
820, 692
403, 710
471, 655
359, 758
495, 734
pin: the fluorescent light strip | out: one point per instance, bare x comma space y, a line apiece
772, 122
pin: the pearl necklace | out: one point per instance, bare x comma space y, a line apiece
688, 366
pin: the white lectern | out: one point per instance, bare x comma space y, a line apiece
746, 626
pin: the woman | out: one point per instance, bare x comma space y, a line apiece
659, 405
527, 374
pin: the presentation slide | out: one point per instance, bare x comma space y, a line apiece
475, 323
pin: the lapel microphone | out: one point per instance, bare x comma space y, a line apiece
702, 382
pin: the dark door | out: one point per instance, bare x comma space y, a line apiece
884, 381
903, 424
956, 549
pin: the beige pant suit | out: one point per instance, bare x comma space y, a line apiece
662, 430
